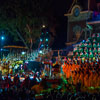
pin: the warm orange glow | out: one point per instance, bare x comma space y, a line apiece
87, 79
20, 47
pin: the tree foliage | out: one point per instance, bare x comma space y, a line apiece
22, 19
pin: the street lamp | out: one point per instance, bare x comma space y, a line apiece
2, 38
43, 26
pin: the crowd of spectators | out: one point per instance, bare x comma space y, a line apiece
88, 48
58, 95
18, 87
15, 93
88, 74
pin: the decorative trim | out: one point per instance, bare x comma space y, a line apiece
82, 12
76, 6
94, 22
17, 47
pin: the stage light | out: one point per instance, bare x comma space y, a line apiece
42, 45
46, 39
41, 40
23, 53
31, 77
40, 51
2, 38
43, 26
83, 40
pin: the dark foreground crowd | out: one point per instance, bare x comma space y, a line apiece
26, 94
58, 95
16, 90
15, 93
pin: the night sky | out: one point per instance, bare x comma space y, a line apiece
57, 9
62, 8
56, 12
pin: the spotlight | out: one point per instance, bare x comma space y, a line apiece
23, 53
2, 38
46, 39
40, 39
43, 26
40, 51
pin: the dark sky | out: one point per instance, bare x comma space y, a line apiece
58, 9
61, 7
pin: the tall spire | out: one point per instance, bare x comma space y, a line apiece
88, 5
73, 3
